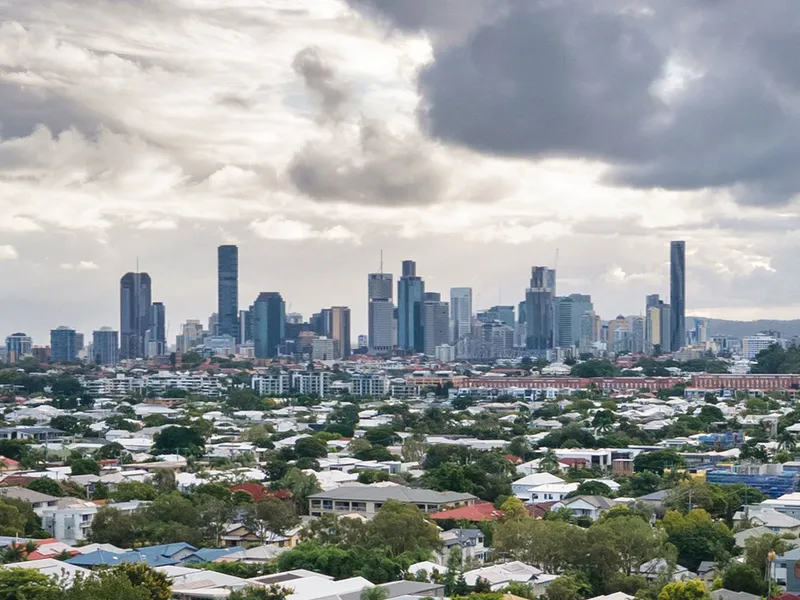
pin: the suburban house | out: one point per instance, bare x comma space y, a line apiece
368, 499
470, 541
499, 576
586, 506
773, 520
38, 500
483, 511
521, 488
552, 492
786, 570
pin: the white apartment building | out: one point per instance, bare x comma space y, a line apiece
272, 385
69, 521
753, 344
369, 384
318, 383
323, 348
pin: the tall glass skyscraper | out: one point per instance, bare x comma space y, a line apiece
228, 292
460, 312
539, 304
105, 346
269, 324
380, 307
135, 319
62, 345
677, 294
410, 309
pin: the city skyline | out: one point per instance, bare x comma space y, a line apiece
345, 142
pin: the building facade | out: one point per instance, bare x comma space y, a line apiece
62, 345
340, 326
437, 324
540, 310
269, 324
677, 294
228, 291
380, 309
135, 305
460, 312
18, 345
105, 346
410, 308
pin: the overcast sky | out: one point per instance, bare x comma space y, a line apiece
476, 137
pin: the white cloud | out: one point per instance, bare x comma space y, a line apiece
278, 228
84, 265
8, 252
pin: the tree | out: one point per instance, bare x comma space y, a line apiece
84, 466
594, 368
744, 578
45, 485
563, 588
758, 549
786, 441
17, 518
404, 528
657, 461
68, 424
414, 448
513, 509
640, 484
269, 518
592, 488
133, 490
111, 526
549, 462
178, 440
693, 589
375, 593
273, 592
383, 435
310, 447
112, 450
697, 537
156, 584
301, 486
27, 584
603, 421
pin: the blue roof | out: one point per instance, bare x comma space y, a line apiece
211, 554
166, 549
102, 557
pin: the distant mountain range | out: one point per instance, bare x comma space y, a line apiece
787, 329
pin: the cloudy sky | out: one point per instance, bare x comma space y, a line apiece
474, 136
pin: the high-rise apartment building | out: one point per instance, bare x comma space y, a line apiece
677, 294
410, 305
18, 345
62, 345
269, 324
636, 341
460, 312
380, 313
135, 319
540, 310
228, 292
340, 316
437, 323
245, 326
158, 329
105, 346
190, 337
568, 313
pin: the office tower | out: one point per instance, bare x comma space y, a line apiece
105, 346
213, 324
158, 328
245, 326
522, 312
62, 345
379, 286
504, 314
539, 305
135, 304
410, 303
41, 353
701, 331
382, 330
651, 300
380, 313
322, 322
652, 327
340, 316
460, 312
227, 292
498, 338
269, 324
294, 318
190, 337
590, 326
437, 323
17, 346
636, 326
677, 294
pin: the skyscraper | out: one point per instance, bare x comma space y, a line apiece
340, 316
410, 301
245, 326
677, 294
460, 312
158, 328
105, 346
269, 324
135, 305
568, 313
437, 323
380, 309
228, 292
17, 346
539, 305
62, 345
504, 314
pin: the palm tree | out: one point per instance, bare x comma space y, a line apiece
375, 593
786, 441
13, 553
548, 462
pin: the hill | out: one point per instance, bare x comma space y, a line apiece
787, 329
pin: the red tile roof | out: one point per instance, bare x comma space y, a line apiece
476, 512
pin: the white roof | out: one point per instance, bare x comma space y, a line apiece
537, 479
427, 566
555, 488
500, 574
312, 588
51, 568
104, 547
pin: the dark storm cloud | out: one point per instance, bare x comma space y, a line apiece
578, 79
384, 168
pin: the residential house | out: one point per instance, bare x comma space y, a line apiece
586, 506
499, 576
51, 567
521, 488
786, 570
652, 569
368, 499
550, 492
469, 541
614, 596
39, 501
724, 594
483, 511
774, 521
